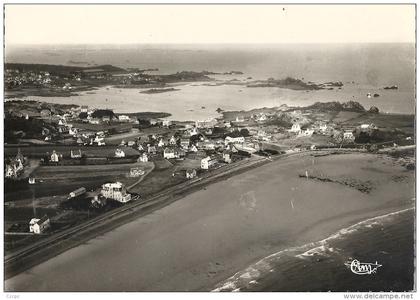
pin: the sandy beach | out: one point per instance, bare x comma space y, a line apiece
201, 240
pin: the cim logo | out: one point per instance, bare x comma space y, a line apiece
361, 268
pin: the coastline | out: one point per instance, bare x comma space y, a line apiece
217, 261
308, 263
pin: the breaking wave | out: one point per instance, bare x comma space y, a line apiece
250, 276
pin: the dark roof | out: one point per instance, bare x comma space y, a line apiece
100, 113
43, 219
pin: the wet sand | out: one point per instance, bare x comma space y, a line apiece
201, 240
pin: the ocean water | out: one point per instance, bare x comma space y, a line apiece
321, 266
363, 68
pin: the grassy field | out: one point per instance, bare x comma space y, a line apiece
89, 151
159, 179
61, 180
344, 116
142, 134
386, 121
103, 126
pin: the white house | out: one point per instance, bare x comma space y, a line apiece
239, 119
123, 118
143, 158
295, 128
76, 154
72, 131
227, 156
115, 191
169, 153
193, 148
348, 135
190, 173
161, 143
206, 123
234, 140
306, 132
172, 141
166, 123
99, 140
38, 226
261, 117
54, 157
193, 131
185, 143
13, 169
208, 162
119, 153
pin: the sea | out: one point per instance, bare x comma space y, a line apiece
363, 69
318, 266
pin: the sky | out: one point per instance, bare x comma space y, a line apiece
190, 24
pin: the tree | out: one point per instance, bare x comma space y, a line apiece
244, 132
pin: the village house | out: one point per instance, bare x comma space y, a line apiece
367, 127
207, 145
193, 148
73, 131
208, 162
348, 135
190, 173
161, 143
76, 193
295, 128
123, 118
55, 157
94, 121
131, 143
234, 140
143, 158
239, 119
227, 156
209, 123
193, 131
166, 123
119, 153
261, 117
15, 166
100, 141
185, 143
151, 149
115, 191
38, 226
76, 153
153, 122
13, 169
172, 141
306, 133
170, 152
